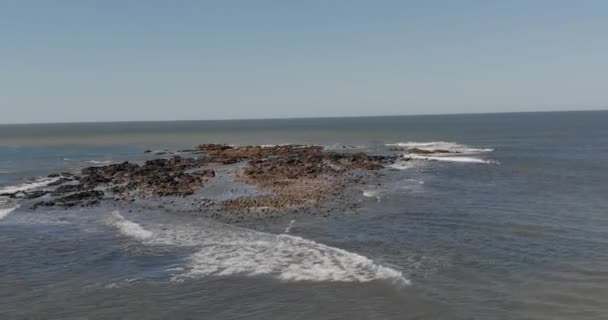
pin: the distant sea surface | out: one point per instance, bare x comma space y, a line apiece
513, 226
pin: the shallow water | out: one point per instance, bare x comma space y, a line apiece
515, 226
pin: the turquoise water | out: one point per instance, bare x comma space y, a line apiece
514, 229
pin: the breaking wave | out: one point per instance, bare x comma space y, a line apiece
224, 250
439, 151
38, 183
452, 147
450, 159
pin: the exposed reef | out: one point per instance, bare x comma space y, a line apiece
285, 176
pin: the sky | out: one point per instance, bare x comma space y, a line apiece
71, 61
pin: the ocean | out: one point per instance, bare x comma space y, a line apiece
515, 226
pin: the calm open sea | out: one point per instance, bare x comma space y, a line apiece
514, 227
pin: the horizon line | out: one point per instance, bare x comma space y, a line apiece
304, 118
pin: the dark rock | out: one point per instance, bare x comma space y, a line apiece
83, 199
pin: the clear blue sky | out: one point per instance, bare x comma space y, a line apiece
63, 61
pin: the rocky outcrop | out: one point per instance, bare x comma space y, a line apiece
289, 175
155, 178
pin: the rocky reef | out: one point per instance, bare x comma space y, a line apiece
287, 176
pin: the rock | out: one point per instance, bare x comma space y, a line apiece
84, 199
295, 176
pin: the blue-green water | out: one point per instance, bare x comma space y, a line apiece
516, 232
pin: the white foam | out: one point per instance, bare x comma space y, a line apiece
129, 228
224, 250
5, 211
38, 183
452, 147
449, 159
288, 258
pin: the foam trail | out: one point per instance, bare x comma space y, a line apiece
224, 251
38, 183
5, 211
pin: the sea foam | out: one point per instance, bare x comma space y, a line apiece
443, 151
225, 250
452, 147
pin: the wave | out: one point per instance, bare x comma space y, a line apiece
5, 211
439, 151
99, 161
225, 250
449, 159
452, 147
38, 183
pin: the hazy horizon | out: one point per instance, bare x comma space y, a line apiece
113, 61
327, 117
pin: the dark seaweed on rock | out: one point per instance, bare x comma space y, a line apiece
158, 177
